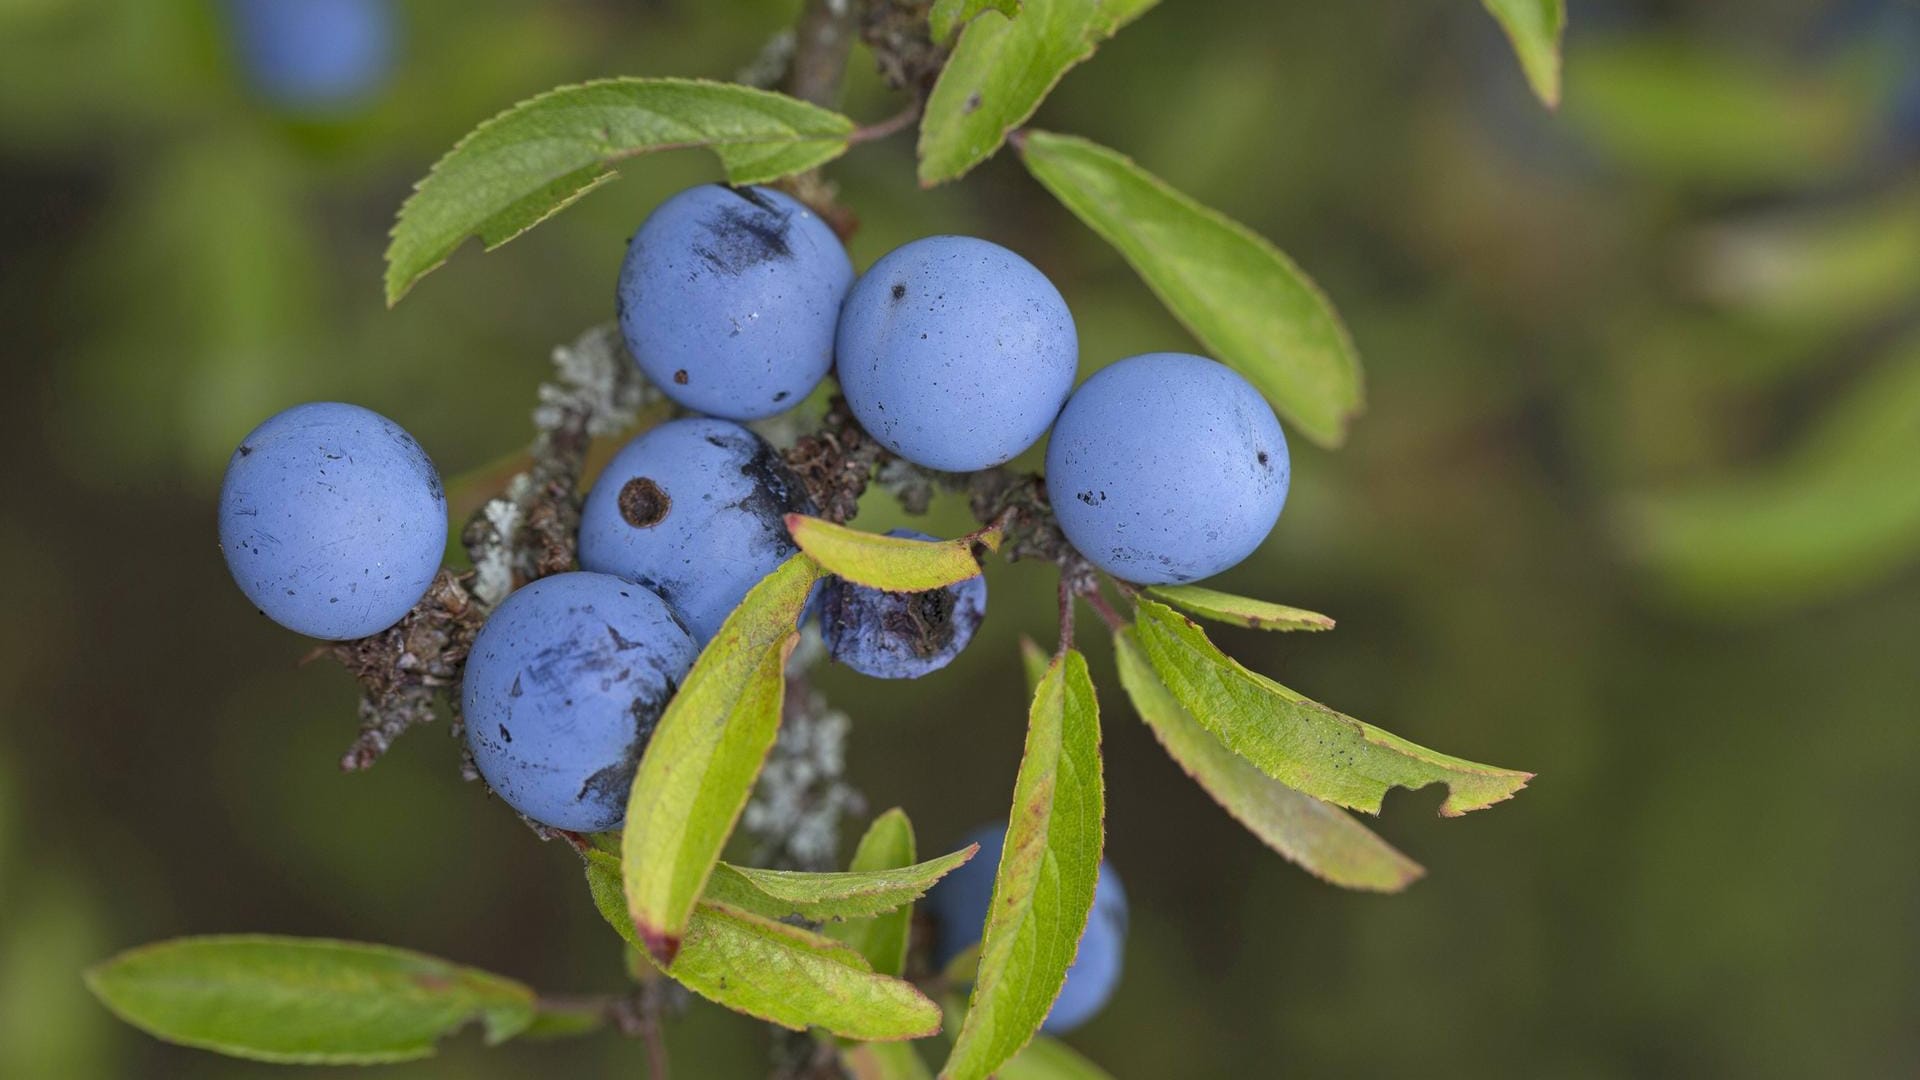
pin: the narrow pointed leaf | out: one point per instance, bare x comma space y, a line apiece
1239, 610
891, 563
1301, 743
1001, 70
700, 765
882, 939
1535, 28
1321, 839
849, 894
1251, 307
536, 158
305, 1000
1043, 890
946, 16
773, 971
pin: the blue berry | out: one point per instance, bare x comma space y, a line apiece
958, 906
563, 688
332, 520
315, 54
1167, 468
728, 298
695, 510
900, 635
956, 353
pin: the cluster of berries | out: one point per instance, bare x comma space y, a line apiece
955, 354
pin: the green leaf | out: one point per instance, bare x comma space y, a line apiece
1244, 300
1838, 511
773, 971
1239, 610
892, 563
1043, 889
1034, 660
1535, 28
305, 1001
885, 1061
700, 765
849, 894
1321, 839
530, 162
882, 939
798, 979
1000, 72
949, 15
1301, 743
1050, 1059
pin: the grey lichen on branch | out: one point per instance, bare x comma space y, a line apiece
530, 530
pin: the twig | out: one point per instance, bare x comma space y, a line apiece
823, 38
1105, 610
883, 128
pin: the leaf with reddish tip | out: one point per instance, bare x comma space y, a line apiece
1323, 840
892, 563
1239, 610
1301, 743
774, 971
883, 939
700, 764
1043, 890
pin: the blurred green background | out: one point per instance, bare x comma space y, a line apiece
1636, 504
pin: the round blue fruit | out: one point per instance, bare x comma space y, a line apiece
956, 353
695, 510
1167, 468
728, 298
332, 520
900, 635
563, 688
958, 906
315, 54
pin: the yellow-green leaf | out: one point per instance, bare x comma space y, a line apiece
538, 157
776, 972
1321, 839
1239, 610
1043, 890
850, 894
1001, 70
1301, 743
946, 16
1251, 307
892, 563
1535, 28
882, 939
305, 1001
700, 765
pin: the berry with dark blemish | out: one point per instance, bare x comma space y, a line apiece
900, 635
722, 495
563, 689
729, 296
